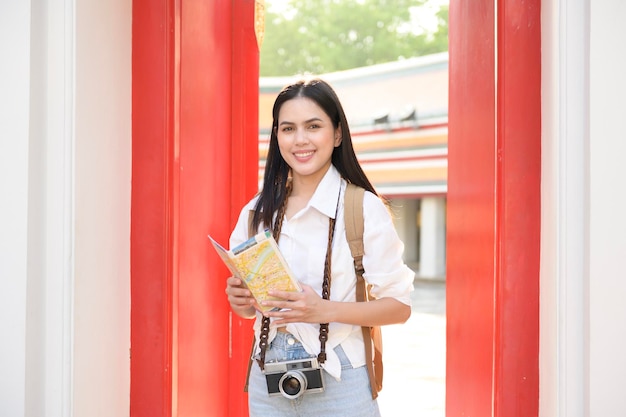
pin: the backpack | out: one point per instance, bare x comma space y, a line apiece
372, 337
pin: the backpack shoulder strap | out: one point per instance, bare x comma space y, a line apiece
353, 217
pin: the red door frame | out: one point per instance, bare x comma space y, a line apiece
195, 72
195, 163
493, 208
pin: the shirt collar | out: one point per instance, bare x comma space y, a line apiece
325, 197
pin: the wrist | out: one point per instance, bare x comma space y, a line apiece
329, 309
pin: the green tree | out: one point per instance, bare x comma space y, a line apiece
320, 36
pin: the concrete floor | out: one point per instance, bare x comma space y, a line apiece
414, 355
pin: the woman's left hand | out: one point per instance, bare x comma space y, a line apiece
298, 307
308, 307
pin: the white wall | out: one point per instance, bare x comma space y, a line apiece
65, 171
563, 195
14, 148
101, 371
583, 244
607, 209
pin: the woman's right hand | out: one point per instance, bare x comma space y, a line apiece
240, 298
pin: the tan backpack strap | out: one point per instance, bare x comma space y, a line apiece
353, 215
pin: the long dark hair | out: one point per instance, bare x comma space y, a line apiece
274, 193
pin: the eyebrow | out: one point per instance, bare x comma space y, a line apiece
314, 119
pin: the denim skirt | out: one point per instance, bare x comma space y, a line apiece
350, 397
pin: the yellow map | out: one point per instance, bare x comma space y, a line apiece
262, 270
260, 265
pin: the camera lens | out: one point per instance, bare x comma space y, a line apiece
292, 384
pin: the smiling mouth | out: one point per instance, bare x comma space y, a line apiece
303, 154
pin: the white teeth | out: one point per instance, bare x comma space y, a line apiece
303, 154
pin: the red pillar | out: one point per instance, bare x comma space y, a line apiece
195, 161
243, 175
493, 209
152, 212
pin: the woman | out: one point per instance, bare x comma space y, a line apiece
309, 162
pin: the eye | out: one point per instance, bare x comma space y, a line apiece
314, 126
287, 129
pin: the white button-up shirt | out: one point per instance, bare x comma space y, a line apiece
303, 241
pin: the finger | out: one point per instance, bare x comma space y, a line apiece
280, 318
276, 315
237, 292
266, 303
233, 282
240, 301
286, 295
282, 308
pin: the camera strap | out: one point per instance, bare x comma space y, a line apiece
265, 323
321, 357
353, 216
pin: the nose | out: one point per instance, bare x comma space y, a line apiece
301, 136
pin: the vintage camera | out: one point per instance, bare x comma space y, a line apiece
293, 378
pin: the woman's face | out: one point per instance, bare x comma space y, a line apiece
306, 138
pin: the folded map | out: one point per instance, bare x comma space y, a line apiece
258, 263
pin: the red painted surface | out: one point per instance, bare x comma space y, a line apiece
519, 208
152, 211
195, 89
493, 210
243, 175
471, 245
201, 331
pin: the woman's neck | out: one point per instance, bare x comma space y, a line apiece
302, 191
305, 186
299, 198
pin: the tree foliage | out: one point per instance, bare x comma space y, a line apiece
321, 36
